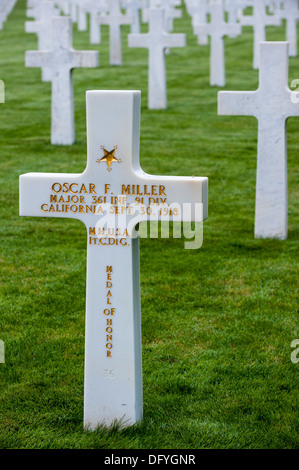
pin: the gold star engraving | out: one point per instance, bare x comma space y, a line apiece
109, 157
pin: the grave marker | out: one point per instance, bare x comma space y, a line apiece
156, 41
133, 10
82, 16
259, 20
217, 29
199, 9
290, 13
271, 104
62, 59
112, 183
170, 11
115, 19
94, 8
42, 28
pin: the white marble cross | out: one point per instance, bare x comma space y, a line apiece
82, 15
43, 30
259, 20
217, 29
62, 59
115, 19
199, 10
271, 104
170, 10
133, 10
94, 8
290, 13
110, 197
156, 41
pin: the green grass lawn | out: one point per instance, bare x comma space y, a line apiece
217, 323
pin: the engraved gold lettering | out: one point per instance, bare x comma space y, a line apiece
71, 188
132, 190
83, 188
161, 190
54, 188
91, 188
125, 189
107, 311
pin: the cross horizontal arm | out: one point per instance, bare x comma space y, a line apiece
247, 20
272, 20
85, 59
103, 19
237, 103
266, 20
175, 40
139, 40
225, 30
180, 189
203, 29
37, 58
38, 191
108, 20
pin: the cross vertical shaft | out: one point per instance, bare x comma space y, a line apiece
156, 41
217, 29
